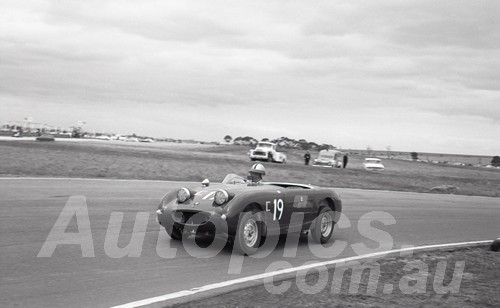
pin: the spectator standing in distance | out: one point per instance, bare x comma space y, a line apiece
307, 157
345, 161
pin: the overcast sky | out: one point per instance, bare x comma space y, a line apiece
414, 75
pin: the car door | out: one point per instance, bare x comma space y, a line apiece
299, 207
279, 205
272, 199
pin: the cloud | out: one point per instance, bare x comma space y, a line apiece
343, 66
452, 23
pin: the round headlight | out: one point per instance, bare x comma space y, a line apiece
183, 194
221, 197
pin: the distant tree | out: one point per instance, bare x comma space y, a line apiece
304, 145
313, 145
325, 146
265, 140
77, 132
495, 161
414, 155
228, 138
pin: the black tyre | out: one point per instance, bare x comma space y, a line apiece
495, 246
322, 226
175, 233
248, 234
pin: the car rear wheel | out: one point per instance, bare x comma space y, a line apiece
322, 226
175, 233
248, 234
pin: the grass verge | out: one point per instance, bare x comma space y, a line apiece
419, 280
164, 161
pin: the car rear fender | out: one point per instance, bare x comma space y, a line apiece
336, 205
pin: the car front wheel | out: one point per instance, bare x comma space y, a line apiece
174, 233
322, 227
248, 234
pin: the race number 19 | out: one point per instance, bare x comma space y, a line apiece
278, 207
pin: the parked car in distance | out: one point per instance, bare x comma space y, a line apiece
373, 164
45, 137
267, 151
329, 158
103, 137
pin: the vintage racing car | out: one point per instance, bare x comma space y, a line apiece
245, 213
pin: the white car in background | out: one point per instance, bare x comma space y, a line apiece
267, 151
118, 137
373, 164
329, 158
103, 137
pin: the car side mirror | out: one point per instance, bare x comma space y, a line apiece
205, 183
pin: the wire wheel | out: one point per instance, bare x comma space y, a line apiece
322, 227
326, 224
250, 232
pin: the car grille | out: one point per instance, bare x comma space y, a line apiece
374, 168
259, 153
190, 217
319, 163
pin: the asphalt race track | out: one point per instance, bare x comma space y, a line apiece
29, 209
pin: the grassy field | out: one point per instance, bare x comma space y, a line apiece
185, 162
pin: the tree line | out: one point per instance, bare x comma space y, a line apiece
283, 142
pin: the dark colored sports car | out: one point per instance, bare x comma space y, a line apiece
245, 213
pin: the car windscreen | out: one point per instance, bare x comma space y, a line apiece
327, 156
232, 178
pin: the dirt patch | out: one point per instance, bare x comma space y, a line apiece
465, 277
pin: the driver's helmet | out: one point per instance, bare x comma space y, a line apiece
258, 168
